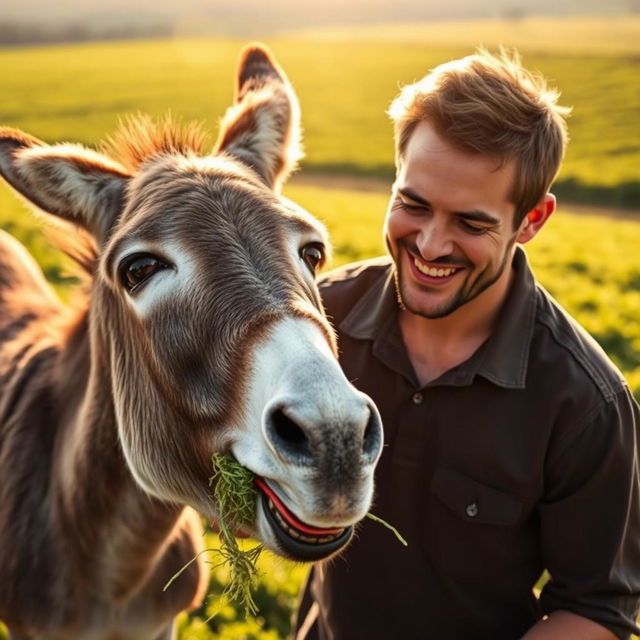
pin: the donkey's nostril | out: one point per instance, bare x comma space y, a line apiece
286, 429
372, 438
287, 437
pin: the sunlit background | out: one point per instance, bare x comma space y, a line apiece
70, 70
256, 17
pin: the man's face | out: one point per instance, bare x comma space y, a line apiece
449, 226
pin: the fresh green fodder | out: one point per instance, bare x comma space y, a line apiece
235, 495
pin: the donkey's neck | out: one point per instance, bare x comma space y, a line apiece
118, 531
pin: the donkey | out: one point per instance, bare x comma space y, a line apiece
202, 332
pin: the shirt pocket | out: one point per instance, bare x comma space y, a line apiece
474, 502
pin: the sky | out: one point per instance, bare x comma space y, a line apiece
239, 15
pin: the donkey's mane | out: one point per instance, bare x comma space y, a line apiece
139, 138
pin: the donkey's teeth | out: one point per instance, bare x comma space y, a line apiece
291, 525
297, 535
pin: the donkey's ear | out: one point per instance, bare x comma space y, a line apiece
68, 181
262, 128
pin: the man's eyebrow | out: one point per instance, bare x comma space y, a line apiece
475, 214
478, 216
412, 195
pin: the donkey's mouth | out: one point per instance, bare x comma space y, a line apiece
299, 540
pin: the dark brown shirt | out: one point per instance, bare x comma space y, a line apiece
521, 459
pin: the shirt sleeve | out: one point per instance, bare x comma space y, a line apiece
590, 518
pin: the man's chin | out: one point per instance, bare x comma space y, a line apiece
430, 313
408, 302
420, 301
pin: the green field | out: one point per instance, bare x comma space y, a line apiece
345, 84
345, 81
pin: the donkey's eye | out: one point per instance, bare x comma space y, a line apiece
313, 255
136, 269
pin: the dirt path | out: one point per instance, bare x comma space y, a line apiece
381, 185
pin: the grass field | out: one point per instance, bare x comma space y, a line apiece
345, 85
345, 81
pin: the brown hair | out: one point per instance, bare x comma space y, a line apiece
490, 104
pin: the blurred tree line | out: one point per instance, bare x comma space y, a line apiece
19, 33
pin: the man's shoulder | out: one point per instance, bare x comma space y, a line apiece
353, 274
341, 288
571, 349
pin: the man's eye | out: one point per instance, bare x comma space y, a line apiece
472, 228
411, 207
136, 269
313, 255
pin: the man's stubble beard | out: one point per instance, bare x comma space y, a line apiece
460, 298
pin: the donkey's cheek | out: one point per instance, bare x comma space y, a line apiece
181, 478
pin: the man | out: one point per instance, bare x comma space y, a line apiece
510, 438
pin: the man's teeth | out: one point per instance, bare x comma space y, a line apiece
431, 271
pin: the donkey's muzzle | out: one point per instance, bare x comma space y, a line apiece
300, 441
317, 447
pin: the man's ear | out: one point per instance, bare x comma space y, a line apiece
536, 218
65, 180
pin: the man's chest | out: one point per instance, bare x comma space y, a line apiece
455, 439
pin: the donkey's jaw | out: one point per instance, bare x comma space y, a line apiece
312, 440
283, 531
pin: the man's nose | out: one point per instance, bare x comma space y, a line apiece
434, 241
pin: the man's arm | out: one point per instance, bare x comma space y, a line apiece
564, 625
590, 525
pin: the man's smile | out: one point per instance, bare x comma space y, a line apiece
432, 271
431, 274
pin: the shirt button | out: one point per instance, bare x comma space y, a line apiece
417, 398
472, 510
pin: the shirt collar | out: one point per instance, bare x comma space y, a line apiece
374, 311
502, 359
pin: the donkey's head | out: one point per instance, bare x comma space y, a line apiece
206, 322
